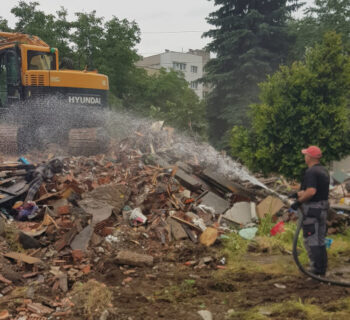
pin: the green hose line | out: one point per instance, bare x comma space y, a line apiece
301, 268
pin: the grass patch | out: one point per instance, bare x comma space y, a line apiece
292, 310
91, 299
340, 247
264, 245
177, 293
11, 236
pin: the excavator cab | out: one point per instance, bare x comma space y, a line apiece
38, 60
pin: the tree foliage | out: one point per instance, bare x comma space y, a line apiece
4, 27
166, 96
250, 38
301, 105
321, 17
109, 46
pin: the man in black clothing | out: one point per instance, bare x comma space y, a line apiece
313, 200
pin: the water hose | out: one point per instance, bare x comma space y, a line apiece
301, 268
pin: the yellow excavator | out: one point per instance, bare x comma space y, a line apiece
41, 101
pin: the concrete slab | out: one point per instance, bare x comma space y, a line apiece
219, 204
340, 176
184, 166
187, 181
241, 213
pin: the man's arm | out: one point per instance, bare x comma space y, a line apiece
306, 195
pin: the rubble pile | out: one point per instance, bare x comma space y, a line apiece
92, 212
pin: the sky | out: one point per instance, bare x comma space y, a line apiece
165, 24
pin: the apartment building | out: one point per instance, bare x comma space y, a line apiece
190, 64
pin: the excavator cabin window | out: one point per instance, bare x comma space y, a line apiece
38, 60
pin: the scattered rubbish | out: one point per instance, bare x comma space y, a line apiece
109, 215
111, 239
137, 217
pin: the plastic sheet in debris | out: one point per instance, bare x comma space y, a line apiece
248, 233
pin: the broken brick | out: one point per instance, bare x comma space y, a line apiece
63, 210
77, 255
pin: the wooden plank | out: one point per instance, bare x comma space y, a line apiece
186, 222
22, 257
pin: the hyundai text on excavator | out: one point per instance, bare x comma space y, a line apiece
42, 102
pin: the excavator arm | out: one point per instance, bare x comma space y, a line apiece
9, 38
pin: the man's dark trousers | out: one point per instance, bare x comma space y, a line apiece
314, 231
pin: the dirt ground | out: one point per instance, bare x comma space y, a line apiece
172, 290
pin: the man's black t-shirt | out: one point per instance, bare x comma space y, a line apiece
317, 177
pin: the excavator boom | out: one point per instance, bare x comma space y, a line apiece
7, 38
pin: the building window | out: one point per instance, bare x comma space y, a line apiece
194, 85
194, 69
179, 66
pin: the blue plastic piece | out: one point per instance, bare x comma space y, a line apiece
328, 242
23, 160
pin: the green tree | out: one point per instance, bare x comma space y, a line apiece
118, 54
87, 38
52, 29
321, 17
305, 104
251, 38
4, 27
167, 96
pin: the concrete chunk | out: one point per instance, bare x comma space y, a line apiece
176, 228
134, 259
82, 239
